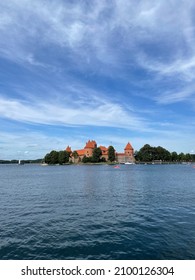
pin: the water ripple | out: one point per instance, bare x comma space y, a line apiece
96, 212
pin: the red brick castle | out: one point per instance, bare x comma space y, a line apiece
127, 156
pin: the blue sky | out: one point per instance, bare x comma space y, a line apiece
110, 70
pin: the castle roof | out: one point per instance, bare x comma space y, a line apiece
68, 149
90, 144
128, 147
81, 152
104, 150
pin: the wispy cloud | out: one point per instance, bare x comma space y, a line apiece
177, 95
103, 64
27, 25
95, 112
101, 32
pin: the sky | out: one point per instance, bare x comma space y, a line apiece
115, 71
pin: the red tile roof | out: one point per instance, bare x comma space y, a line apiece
128, 147
81, 152
90, 144
104, 150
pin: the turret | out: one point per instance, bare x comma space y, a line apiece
129, 150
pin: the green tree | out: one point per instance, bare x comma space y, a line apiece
145, 153
47, 158
75, 155
51, 158
63, 157
54, 157
103, 159
174, 156
97, 153
188, 157
162, 154
193, 157
148, 153
181, 157
86, 159
111, 154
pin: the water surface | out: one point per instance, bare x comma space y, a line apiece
97, 212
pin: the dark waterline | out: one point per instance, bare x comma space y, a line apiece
97, 212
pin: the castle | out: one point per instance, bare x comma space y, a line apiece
127, 156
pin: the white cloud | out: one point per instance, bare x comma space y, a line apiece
90, 32
182, 67
96, 112
100, 38
174, 96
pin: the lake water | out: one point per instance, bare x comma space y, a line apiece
97, 212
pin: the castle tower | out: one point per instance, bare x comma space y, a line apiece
68, 149
129, 150
90, 145
129, 153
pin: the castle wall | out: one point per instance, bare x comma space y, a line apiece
129, 153
124, 158
105, 156
127, 156
88, 152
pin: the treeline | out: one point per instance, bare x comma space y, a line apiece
24, 161
13, 161
148, 154
64, 157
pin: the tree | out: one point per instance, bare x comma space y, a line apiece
86, 159
181, 157
103, 159
53, 157
96, 155
148, 153
145, 153
111, 154
174, 156
188, 157
75, 155
162, 154
63, 157
47, 158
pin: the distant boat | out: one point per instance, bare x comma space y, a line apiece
116, 166
129, 163
20, 162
